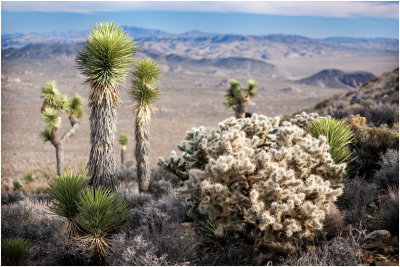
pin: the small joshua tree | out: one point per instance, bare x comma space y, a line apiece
53, 104
144, 93
105, 59
237, 97
123, 140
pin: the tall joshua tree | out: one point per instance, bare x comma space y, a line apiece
144, 93
104, 60
53, 104
123, 140
237, 97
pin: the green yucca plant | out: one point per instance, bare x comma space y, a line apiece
104, 60
338, 134
17, 185
66, 192
123, 140
53, 105
14, 251
237, 97
28, 177
210, 227
144, 92
101, 212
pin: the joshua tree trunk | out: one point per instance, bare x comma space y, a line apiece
60, 158
123, 150
102, 163
240, 107
143, 147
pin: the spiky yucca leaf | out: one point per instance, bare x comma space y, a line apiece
46, 135
105, 59
253, 86
51, 118
75, 107
123, 139
66, 190
101, 211
338, 134
145, 77
14, 251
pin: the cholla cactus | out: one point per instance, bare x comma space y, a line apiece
303, 120
275, 182
53, 104
237, 97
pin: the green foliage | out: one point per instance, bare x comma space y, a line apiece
123, 139
52, 96
66, 190
236, 92
75, 107
145, 77
46, 135
338, 134
14, 251
28, 177
101, 212
17, 185
51, 118
105, 58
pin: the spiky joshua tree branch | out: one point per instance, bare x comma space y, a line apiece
144, 93
53, 104
104, 60
237, 97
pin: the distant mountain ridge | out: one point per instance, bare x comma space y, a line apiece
198, 45
334, 78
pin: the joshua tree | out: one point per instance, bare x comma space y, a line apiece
144, 93
238, 97
105, 59
53, 104
123, 140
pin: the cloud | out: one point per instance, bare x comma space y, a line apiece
350, 9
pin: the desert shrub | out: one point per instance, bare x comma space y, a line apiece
66, 191
17, 185
28, 220
14, 251
28, 176
338, 134
12, 197
257, 174
388, 213
340, 251
369, 145
334, 222
381, 113
388, 174
357, 195
100, 213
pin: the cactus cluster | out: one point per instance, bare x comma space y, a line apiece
260, 176
303, 120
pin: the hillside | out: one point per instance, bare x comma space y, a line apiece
334, 78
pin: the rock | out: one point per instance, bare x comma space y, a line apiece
388, 263
373, 246
381, 259
378, 235
379, 256
386, 250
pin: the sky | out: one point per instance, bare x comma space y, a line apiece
310, 18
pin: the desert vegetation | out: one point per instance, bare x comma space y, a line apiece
306, 189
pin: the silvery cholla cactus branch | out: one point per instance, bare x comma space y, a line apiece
303, 120
277, 181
